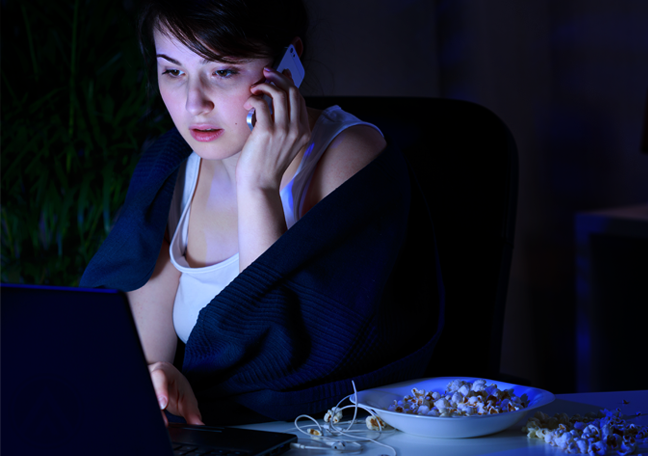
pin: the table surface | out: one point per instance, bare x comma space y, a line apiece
510, 442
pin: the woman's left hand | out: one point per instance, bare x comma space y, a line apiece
276, 138
273, 144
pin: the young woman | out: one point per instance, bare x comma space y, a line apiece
214, 255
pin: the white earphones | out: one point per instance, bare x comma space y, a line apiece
329, 434
339, 446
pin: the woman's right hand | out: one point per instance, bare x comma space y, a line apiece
174, 393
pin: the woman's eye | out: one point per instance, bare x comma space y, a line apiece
172, 73
225, 73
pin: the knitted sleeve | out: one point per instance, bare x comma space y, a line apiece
126, 259
341, 295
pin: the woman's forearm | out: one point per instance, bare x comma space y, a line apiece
152, 307
261, 222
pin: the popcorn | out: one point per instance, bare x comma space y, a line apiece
479, 385
582, 445
464, 390
628, 445
397, 407
376, 424
593, 434
457, 398
442, 404
597, 448
592, 431
334, 415
461, 398
455, 385
613, 441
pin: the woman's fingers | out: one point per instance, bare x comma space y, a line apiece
286, 99
194, 417
160, 385
261, 108
279, 101
186, 404
174, 392
282, 80
278, 136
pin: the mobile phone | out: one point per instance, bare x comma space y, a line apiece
290, 60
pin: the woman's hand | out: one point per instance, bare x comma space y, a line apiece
174, 393
276, 138
272, 146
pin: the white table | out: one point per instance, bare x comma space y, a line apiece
510, 442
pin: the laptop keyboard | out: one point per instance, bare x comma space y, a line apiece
194, 450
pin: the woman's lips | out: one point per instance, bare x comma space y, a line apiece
205, 134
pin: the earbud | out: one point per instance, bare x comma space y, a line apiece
327, 433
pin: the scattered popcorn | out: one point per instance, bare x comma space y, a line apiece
334, 415
461, 398
313, 431
376, 424
594, 434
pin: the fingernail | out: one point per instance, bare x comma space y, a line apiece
162, 401
268, 70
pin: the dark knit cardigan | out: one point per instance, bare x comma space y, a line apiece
351, 292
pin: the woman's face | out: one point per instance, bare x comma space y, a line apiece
205, 98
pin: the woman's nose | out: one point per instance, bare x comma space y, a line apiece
198, 101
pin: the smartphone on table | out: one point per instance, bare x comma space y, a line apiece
290, 60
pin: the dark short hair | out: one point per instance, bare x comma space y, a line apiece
218, 29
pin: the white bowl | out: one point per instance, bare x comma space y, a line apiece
379, 399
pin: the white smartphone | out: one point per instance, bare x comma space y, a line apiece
290, 60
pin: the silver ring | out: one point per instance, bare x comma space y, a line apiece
251, 119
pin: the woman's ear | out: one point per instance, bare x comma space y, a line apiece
299, 45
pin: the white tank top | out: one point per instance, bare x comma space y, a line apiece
198, 286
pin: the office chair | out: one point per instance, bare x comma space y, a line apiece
465, 161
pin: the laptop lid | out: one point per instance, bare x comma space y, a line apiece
75, 380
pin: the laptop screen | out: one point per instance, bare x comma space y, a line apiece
73, 372
75, 381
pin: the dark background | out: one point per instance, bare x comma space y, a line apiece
570, 79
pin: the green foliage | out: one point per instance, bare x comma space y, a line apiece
75, 113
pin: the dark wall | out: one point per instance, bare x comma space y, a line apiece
570, 79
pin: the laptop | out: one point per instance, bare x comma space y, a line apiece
75, 381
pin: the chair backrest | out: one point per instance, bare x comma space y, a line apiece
465, 160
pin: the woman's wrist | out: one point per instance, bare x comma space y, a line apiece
257, 186
261, 222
